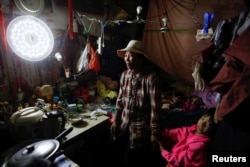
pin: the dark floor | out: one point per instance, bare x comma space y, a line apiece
95, 150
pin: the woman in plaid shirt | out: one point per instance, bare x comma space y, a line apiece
137, 106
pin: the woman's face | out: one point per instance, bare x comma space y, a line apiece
132, 60
204, 125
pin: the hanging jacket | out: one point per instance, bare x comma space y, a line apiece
232, 81
225, 33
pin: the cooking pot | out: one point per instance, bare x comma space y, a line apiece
43, 151
33, 123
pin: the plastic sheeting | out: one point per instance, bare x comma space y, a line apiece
176, 52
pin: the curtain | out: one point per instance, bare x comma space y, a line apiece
176, 52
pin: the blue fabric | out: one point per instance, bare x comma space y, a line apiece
208, 18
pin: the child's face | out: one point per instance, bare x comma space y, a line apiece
204, 125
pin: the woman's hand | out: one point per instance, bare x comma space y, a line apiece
156, 135
114, 129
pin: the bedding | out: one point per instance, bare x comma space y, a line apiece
182, 109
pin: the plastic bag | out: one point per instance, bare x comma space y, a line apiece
82, 63
94, 62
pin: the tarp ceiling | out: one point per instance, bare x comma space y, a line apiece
175, 52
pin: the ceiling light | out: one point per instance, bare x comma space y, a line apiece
30, 38
164, 21
139, 10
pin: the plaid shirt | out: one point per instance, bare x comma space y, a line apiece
137, 105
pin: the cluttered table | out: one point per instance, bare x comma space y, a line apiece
84, 126
85, 129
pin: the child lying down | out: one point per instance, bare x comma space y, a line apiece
187, 146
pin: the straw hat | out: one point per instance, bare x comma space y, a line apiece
133, 46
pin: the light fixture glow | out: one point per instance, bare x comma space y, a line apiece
139, 10
164, 21
58, 56
30, 38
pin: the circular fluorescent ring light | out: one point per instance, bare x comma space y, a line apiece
30, 38
30, 7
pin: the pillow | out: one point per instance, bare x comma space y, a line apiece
208, 96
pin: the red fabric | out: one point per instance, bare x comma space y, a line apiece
71, 34
81, 91
94, 62
232, 81
3, 32
188, 106
207, 53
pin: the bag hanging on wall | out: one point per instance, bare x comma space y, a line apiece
82, 63
94, 62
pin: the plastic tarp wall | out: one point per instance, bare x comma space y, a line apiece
175, 52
